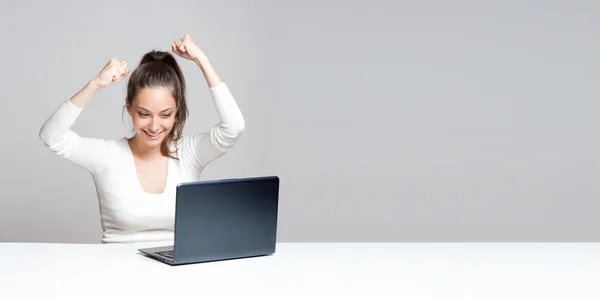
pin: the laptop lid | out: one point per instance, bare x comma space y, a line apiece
225, 219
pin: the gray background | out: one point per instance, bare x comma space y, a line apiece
386, 120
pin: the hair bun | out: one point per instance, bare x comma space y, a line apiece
164, 57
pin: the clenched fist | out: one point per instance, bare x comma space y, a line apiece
187, 48
112, 72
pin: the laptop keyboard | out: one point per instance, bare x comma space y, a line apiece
166, 254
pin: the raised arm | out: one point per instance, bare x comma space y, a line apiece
207, 147
56, 132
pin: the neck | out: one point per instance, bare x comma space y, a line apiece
142, 151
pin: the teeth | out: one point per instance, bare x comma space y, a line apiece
152, 135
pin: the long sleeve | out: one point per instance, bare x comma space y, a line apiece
57, 135
208, 146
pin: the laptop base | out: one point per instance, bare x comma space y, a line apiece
159, 253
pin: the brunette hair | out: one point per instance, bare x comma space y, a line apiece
160, 69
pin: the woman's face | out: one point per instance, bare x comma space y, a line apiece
153, 114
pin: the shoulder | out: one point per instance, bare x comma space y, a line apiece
115, 153
117, 146
188, 143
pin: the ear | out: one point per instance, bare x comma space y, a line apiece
127, 106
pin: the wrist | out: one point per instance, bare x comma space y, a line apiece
95, 84
201, 60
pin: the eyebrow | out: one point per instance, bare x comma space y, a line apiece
160, 111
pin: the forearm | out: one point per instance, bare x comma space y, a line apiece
57, 135
227, 108
81, 98
212, 79
60, 121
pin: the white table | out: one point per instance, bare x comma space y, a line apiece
308, 270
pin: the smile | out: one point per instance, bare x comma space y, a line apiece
152, 136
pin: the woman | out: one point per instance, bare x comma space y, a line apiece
136, 177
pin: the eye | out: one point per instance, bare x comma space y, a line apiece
142, 114
167, 115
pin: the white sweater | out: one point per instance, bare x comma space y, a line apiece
127, 212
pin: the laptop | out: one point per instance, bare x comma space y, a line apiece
222, 220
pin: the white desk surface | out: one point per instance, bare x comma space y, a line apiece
308, 270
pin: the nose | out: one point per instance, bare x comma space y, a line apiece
154, 125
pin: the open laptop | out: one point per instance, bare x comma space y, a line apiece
222, 219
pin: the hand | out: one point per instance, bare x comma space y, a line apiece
187, 48
112, 72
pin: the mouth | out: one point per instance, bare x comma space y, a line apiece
152, 136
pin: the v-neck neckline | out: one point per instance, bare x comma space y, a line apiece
135, 173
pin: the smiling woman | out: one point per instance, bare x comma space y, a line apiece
156, 102
136, 177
